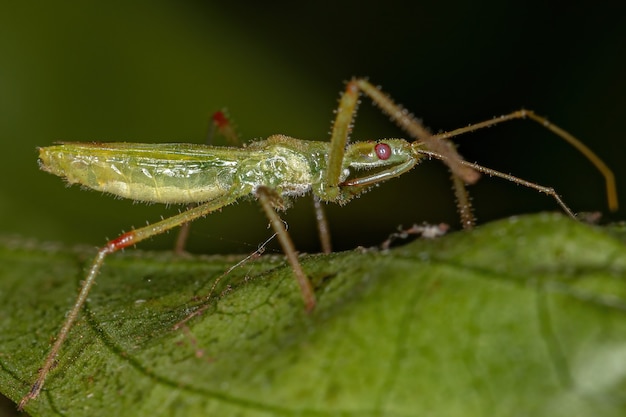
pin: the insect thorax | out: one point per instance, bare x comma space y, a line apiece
278, 166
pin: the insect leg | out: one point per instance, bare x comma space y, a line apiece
322, 225
123, 241
221, 125
183, 235
463, 203
268, 199
340, 132
406, 121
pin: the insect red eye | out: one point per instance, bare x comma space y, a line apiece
383, 151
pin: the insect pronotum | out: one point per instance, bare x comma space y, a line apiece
272, 169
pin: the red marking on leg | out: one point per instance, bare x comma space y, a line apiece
220, 119
225, 128
352, 88
125, 240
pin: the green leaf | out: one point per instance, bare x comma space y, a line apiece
525, 316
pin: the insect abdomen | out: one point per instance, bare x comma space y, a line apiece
160, 180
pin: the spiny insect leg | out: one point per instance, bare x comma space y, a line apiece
123, 241
268, 199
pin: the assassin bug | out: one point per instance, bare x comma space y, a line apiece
272, 170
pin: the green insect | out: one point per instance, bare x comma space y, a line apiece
273, 171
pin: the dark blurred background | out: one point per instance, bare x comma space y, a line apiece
154, 72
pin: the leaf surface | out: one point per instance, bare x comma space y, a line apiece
526, 316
